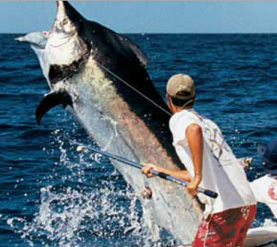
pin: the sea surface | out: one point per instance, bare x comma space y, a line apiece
50, 195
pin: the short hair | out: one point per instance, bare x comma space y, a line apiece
182, 102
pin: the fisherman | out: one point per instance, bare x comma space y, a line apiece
211, 164
265, 188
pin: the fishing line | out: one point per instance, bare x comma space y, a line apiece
127, 84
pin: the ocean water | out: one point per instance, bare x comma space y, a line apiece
52, 196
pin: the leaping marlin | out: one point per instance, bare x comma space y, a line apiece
101, 77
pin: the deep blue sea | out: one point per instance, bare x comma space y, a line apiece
52, 196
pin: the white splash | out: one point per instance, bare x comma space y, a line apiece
79, 210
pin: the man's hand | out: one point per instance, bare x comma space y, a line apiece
245, 162
192, 187
146, 169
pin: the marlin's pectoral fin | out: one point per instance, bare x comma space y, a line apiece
50, 101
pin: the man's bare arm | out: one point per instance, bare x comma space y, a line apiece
195, 141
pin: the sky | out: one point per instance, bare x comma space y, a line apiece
148, 16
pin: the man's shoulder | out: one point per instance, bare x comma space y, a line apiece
185, 114
183, 117
181, 120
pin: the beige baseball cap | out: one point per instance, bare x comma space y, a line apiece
181, 87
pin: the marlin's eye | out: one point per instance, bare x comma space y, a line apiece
65, 21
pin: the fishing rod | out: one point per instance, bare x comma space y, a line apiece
162, 175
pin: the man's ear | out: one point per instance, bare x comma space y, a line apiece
168, 98
169, 101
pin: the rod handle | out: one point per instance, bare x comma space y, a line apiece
210, 193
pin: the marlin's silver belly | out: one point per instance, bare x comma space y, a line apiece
108, 119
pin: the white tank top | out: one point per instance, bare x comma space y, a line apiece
221, 171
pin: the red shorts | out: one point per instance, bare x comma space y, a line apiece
225, 229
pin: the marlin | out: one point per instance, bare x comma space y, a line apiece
101, 78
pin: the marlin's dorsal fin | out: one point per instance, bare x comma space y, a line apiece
139, 53
50, 101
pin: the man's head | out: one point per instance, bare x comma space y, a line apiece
269, 156
180, 92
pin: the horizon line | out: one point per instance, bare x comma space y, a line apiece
168, 33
